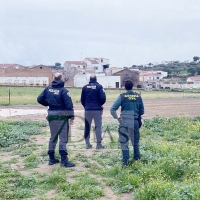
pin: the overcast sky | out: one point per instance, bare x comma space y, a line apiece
125, 31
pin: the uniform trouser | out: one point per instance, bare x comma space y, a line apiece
89, 116
59, 128
129, 130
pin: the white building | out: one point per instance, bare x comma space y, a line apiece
24, 81
97, 64
106, 81
68, 65
151, 75
193, 82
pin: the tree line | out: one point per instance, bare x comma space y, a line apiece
175, 68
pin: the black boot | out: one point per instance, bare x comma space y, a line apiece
88, 146
52, 159
65, 162
100, 146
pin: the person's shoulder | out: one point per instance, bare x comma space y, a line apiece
122, 94
85, 86
137, 95
99, 85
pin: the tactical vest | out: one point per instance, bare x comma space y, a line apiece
130, 104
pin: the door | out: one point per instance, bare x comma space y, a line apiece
117, 84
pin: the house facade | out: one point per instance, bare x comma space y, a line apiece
82, 79
98, 65
193, 82
68, 65
151, 75
18, 75
127, 74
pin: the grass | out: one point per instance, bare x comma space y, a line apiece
28, 95
169, 167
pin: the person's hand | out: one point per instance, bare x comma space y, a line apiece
71, 121
140, 122
119, 120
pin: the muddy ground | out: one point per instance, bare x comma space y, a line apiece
161, 107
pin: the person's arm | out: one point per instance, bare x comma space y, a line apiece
141, 109
42, 98
83, 97
102, 95
68, 104
115, 107
141, 112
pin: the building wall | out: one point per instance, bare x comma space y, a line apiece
151, 77
24, 81
123, 73
98, 68
106, 81
40, 72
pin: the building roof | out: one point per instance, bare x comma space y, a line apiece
76, 62
195, 78
152, 74
94, 62
7, 65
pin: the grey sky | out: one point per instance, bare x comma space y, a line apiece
125, 31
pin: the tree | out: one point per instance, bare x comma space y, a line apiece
134, 66
192, 71
198, 70
57, 64
195, 58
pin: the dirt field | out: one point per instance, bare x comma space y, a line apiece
160, 107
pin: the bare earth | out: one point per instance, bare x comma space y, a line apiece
161, 107
154, 107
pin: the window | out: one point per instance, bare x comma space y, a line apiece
31, 82
40, 67
44, 83
9, 81
37, 82
23, 82
16, 82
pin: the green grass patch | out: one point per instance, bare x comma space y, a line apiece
28, 95
17, 132
169, 167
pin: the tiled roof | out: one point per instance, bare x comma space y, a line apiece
151, 74
6, 65
76, 62
94, 62
195, 78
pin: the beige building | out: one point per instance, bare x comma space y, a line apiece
18, 75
